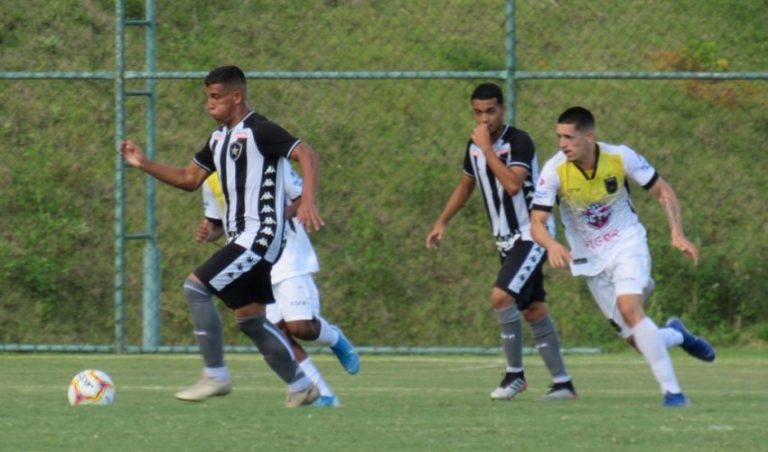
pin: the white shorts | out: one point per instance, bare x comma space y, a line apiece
629, 273
296, 298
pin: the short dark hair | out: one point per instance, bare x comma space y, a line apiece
231, 76
488, 91
579, 117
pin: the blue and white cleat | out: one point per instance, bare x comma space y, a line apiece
327, 401
346, 353
693, 345
678, 400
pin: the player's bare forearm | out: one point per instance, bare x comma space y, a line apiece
186, 178
458, 198
558, 255
309, 163
455, 203
671, 206
511, 178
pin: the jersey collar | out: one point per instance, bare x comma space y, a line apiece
594, 170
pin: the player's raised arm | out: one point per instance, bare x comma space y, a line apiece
186, 178
671, 207
511, 178
309, 164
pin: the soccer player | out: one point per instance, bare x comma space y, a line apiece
501, 161
246, 150
297, 302
608, 243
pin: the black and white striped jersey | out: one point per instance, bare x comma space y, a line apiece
509, 215
246, 158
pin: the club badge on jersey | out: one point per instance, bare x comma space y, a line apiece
235, 150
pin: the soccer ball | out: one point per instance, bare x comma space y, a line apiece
91, 387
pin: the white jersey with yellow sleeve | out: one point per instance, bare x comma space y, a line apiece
596, 209
298, 257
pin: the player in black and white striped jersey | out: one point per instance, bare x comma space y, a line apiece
245, 150
501, 161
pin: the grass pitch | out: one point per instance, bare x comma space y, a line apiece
396, 403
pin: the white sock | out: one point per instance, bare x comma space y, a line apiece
217, 373
650, 343
671, 337
313, 373
328, 336
302, 384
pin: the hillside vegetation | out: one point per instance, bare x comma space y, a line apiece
391, 153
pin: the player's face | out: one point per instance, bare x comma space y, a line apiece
577, 146
221, 102
490, 113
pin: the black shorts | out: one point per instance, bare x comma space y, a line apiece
238, 276
521, 273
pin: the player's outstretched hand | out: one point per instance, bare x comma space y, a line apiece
687, 247
308, 216
131, 153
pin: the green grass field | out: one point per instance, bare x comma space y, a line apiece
396, 403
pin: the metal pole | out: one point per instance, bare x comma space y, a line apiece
510, 28
119, 177
152, 286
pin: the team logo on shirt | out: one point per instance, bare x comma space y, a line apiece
235, 150
501, 150
597, 215
611, 185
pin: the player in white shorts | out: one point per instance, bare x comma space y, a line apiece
297, 302
589, 180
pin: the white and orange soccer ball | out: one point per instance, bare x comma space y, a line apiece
91, 387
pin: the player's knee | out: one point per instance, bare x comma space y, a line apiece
307, 330
195, 291
632, 315
535, 311
501, 299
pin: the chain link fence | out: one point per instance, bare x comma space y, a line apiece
391, 141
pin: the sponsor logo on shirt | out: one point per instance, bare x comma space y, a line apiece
599, 241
